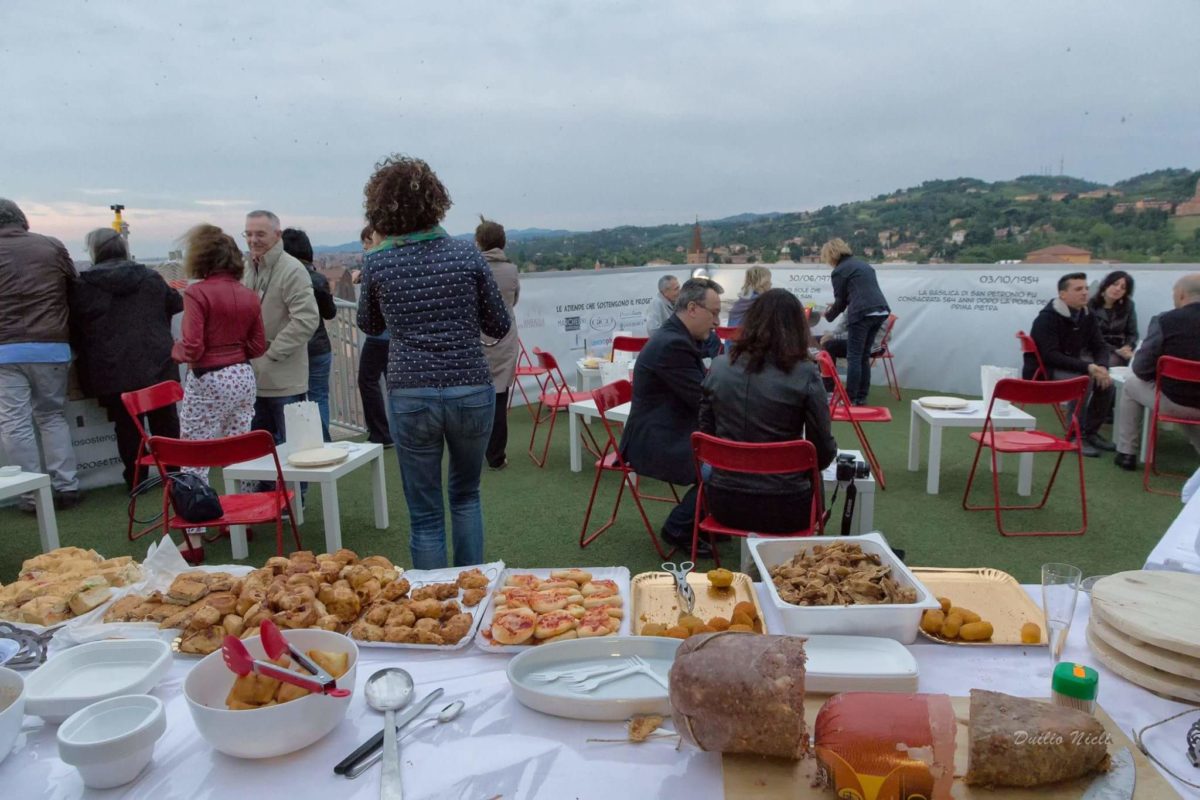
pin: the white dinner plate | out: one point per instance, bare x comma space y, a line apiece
943, 403
617, 700
858, 664
92, 672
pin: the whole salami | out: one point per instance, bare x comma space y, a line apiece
741, 693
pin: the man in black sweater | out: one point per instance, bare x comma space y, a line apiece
1172, 333
1070, 344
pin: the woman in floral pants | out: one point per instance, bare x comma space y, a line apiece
222, 331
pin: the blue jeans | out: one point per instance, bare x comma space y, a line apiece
318, 388
422, 421
859, 336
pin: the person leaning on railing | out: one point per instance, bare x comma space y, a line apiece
766, 389
372, 366
501, 354
856, 292
436, 296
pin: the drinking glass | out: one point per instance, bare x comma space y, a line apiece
1060, 590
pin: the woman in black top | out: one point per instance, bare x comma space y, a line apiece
855, 292
766, 389
1113, 306
320, 350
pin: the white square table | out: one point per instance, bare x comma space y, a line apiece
1119, 376
263, 469
43, 501
585, 410
972, 416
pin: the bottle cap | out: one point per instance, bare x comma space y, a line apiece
1075, 680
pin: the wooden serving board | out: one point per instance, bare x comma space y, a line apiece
992, 594
756, 778
1148, 654
1155, 680
1158, 608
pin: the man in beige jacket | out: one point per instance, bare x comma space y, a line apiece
289, 311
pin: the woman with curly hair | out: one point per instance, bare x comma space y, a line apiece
1113, 306
766, 389
436, 296
222, 332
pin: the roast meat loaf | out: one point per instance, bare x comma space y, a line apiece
735, 692
1020, 742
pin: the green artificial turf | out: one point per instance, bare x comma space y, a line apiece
533, 516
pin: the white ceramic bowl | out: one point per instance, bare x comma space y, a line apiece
275, 730
897, 621
110, 742
12, 708
95, 671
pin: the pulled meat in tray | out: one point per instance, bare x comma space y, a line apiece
838, 574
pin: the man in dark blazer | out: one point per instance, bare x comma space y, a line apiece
666, 401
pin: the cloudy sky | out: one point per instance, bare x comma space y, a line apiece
576, 115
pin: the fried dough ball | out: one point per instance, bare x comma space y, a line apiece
396, 590
720, 578
301, 617
455, 628
951, 626
325, 593
946, 604
329, 571
932, 621
677, 632
366, 632
429, 637
376, 561
967, 616
423, 609
378, 614
718, 623
305, 579
428, 624
369, 590
344, 604
329, 622
346, 556
747, 608
472, 597
740, 629
1031, 633
975, 631
654, 629
401, 615
740, 619
400, 634
472, 579
277, 564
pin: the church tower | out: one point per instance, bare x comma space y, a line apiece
696, 254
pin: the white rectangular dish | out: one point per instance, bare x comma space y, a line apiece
95, 671
617, 700
899, 621
423, 577
618, 574
858, 664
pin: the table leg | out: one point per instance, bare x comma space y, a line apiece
1145, 435
43, 502
333, 517
237, 533
935, 459
1025, 474
298, 504
999, 463
379, 492
914, 442
573, 433
864, 514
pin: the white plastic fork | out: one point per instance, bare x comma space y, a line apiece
649, 671
580, 674
592, 684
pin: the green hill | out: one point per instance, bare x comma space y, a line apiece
962, 220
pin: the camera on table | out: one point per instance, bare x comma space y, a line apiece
850, 467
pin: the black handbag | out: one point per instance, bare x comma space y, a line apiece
193, 499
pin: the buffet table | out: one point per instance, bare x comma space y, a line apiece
500, 749
1179, 548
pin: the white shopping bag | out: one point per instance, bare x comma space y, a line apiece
614, 371
989, 376
302, 426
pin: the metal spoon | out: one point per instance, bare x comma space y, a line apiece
447, 714
387, 690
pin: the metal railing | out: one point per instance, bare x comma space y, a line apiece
345, 403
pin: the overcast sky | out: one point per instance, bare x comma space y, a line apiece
576, 115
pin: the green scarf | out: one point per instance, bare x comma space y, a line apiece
436, 232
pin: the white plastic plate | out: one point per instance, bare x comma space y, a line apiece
858, 664
92, 672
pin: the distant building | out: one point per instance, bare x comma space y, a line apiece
1099, 194
1145, 204
1058, 197
696, 254
658, 262
959, 236
1026, 198
1059, 254
1190, 208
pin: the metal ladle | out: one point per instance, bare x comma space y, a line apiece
447, 714
387, 690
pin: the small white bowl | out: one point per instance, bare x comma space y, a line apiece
95, 671
110, 742
12, 708
274, 730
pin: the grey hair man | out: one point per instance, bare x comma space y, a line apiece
663, 304
35, 353
1172, 333
289, 311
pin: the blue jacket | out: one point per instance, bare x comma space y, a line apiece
855, 290
435, 298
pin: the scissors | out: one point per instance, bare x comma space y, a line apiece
680, 571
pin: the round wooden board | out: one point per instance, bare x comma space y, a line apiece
1154, 607
318, 457
943, 403
1157, 681
1143, 653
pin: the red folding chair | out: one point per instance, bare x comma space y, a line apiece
555, 397
1031, 441
884, 353
840, 410
754, 458
1172, 368
138, 403
608, 397
1028, 345
526, 370
627, 344
252, 508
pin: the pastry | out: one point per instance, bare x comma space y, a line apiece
600, 588
202, 641
45, 610
83, 602
187, 589
562, 637
455, 628
473, 597
514, 627
553, 624
596, 623
472, 579
579, 576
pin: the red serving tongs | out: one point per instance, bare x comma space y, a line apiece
239, 660
275, 645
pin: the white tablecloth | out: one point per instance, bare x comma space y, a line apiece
500, 749
1179, 549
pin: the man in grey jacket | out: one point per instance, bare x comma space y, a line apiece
662, 307
289, 310
35, 276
